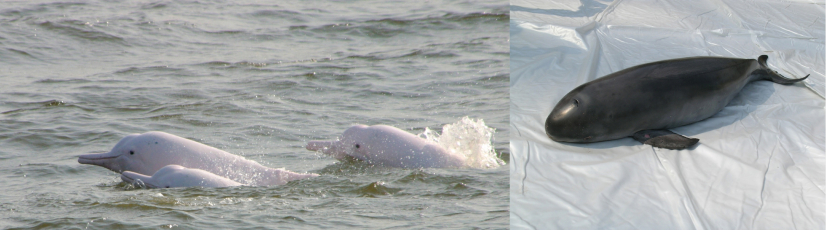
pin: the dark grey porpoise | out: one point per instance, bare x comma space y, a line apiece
645, 100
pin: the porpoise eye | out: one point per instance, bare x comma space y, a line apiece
131, 152
576, 102
357, 146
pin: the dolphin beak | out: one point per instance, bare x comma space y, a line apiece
323, 146
326, 147
99, 159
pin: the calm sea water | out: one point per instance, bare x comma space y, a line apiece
257, 80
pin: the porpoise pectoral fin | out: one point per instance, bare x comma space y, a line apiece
662, 138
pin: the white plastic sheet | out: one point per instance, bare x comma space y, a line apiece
760, 161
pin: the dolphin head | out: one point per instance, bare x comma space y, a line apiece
119, 159
163, 178
137, 179
136, 152
351, 144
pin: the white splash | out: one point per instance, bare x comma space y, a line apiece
470, 138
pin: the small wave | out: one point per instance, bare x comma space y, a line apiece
350, 166
469, 138
416, 53
461, 190
230, 32
20, 53
214, 64
278, 14
425, 54
151, 69
502, 77
52, 103
154, 5
43, 105
299, 27
371, 29
392, 27
39, 8
166, 117
38, 171
260, 130
79, 29
376, 189
67, 81
477, 17
417, 175
423, 176
369, 58
187, 95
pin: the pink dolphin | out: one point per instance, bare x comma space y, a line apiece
172, 176
388, 146
149, 152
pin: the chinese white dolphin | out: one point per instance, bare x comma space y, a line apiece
388, 146
149, 152
172, 176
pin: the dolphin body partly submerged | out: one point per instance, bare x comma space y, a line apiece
149, 152
388, 146
172, 176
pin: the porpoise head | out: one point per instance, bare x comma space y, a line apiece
574, 120
352, 143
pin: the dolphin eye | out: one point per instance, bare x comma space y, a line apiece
576, 103
131, 152
167, 186
357, 146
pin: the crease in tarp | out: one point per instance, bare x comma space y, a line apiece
524, 170
763, 189
610, 8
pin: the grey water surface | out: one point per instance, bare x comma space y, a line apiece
254, 79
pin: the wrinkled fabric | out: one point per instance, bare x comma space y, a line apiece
760, 161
